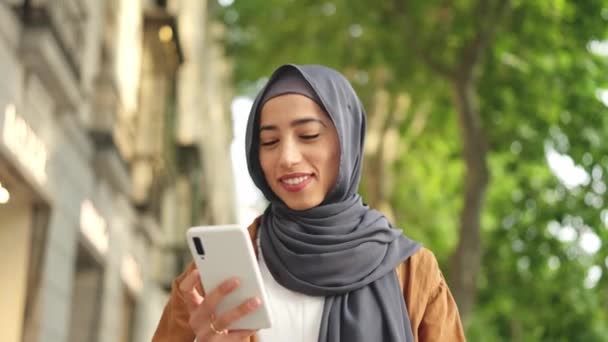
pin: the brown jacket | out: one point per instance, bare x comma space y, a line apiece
433, 312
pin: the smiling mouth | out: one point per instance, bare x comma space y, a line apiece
295, 184
295, 181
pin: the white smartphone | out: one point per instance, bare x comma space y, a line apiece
225, 251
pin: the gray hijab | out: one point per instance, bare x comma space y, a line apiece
341, 249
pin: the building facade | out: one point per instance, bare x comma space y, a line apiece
114, 137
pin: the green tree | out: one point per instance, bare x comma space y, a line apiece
457, 91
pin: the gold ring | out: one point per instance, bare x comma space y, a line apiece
214, 329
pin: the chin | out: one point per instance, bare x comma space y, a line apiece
301, 205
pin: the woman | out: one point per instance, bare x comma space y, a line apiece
335, 269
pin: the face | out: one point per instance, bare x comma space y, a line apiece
299, 150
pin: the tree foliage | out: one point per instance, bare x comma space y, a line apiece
531, 81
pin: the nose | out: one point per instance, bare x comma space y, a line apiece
290, 154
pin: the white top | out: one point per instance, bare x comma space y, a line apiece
295, 317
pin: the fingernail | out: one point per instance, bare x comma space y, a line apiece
230, 284
254, 302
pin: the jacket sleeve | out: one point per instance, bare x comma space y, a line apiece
433, 312
173, 325
441, 321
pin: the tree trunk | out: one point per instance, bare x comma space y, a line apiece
466, 260
373, 167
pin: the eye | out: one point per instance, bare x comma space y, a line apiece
269, 142
309, 136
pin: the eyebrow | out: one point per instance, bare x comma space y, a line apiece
293, 124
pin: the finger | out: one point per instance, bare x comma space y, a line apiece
235, 314
199, 286
200, 317
240, 335
192, 297
233, 335
188, 282
216, 296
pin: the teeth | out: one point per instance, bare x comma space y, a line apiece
295, 181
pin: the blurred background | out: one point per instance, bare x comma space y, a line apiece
122, 124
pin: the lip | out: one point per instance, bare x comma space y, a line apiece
295, 187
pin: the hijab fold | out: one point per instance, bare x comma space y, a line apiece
341, 249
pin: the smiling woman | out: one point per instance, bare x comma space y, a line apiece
335, 269
299, 147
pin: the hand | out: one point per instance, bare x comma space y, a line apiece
202, 310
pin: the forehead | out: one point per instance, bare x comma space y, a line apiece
288, 107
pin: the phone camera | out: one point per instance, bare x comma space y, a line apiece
198, 244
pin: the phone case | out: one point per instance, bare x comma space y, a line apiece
225, 251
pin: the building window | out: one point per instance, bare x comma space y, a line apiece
86, 297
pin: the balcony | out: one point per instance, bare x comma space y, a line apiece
52, 45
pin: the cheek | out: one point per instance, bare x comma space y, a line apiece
265, 163
335, 164
335, 161
331, 163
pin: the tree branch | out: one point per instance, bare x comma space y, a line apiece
485, 33
423, 52
435, 65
